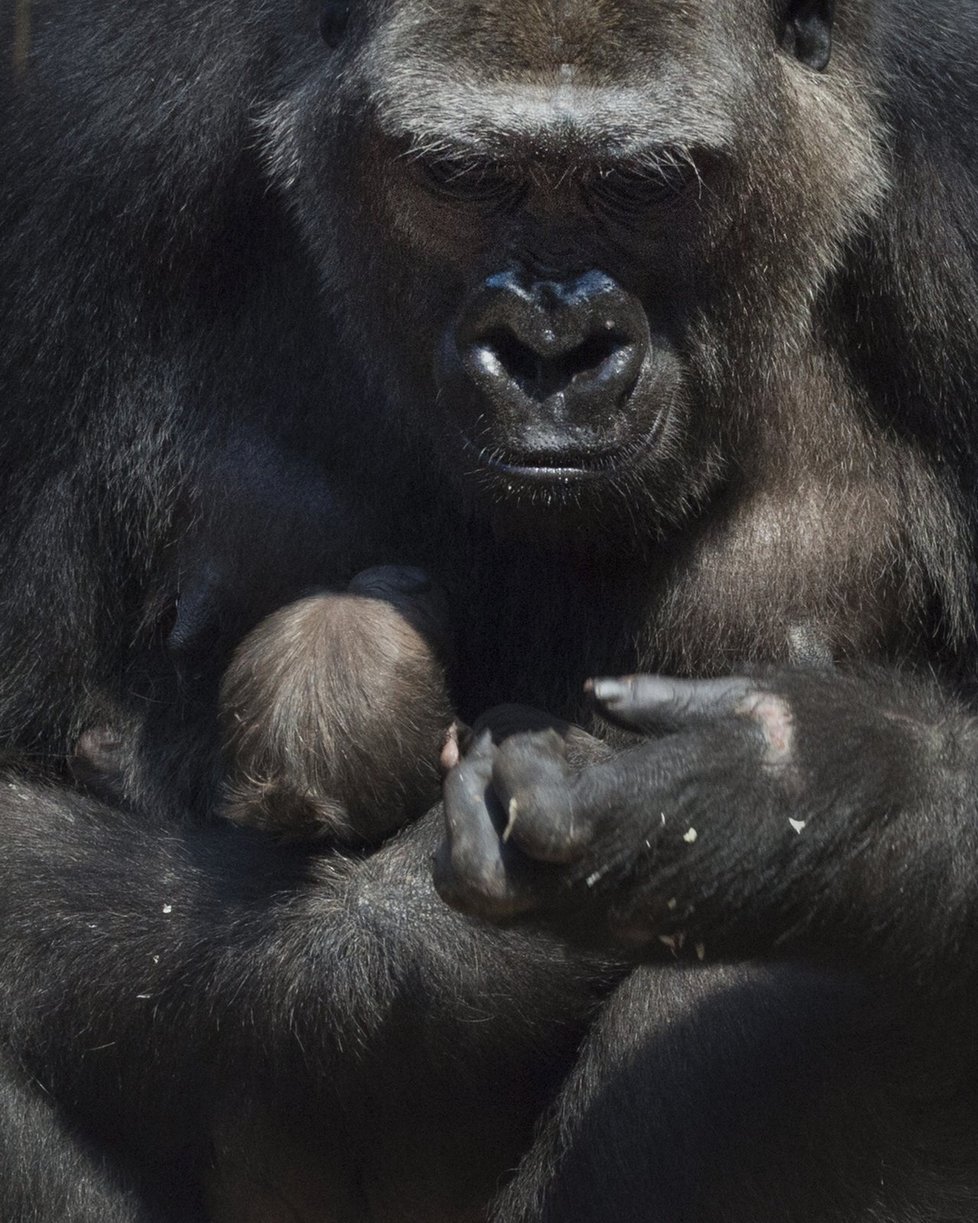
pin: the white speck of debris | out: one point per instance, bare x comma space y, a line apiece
690, 837
168, 908
513, 811
673, 941
671, 904
648, 842
797, 825
701, 951
597, 876
144, 997
662, 817
155, 959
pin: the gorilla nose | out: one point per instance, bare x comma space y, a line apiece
572, 348
548, 364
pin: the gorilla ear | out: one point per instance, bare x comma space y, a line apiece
807, 32
333, 20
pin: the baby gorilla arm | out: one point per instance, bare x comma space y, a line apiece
803, 809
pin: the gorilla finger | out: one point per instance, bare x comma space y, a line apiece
659, 703
536, 788
581, 749
457, 741
466, 793
471, 870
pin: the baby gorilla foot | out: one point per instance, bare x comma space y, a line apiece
97, 763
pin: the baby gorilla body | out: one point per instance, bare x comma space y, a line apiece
334, 710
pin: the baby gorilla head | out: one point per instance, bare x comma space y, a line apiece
334, 715
335, 711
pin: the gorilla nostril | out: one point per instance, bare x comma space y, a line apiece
540, 375
512, 358
593, 354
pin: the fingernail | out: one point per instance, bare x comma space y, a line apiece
483, 743
607, 689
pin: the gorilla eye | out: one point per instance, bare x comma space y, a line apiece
333, 20
466, 182
630, 189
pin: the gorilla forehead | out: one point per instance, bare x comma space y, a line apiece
613, 75
606, 34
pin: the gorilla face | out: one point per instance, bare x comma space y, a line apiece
574, 240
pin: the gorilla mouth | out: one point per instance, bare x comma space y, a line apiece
555, 466
545, 468
540, 467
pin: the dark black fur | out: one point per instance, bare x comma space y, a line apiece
239, 221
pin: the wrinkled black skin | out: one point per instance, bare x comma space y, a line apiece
208, 233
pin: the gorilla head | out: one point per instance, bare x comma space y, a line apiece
583, 235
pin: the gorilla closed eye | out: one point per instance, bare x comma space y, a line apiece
626, 189
463, 181
333, 20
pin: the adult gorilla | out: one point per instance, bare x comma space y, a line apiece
650, 329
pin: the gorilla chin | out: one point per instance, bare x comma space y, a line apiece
559, 501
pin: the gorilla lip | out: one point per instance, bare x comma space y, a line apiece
598, 466
545, 467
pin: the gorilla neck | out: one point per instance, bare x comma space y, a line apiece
719, 593
835, 532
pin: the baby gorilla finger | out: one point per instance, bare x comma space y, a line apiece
475, 871
651, 703
537, 790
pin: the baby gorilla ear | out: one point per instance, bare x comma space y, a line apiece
274, 806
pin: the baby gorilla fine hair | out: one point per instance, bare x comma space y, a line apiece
335, 716
335, 711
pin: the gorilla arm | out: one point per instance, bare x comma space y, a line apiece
159, 980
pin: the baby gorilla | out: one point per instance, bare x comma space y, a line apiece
334, 711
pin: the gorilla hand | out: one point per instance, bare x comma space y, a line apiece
763, 810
